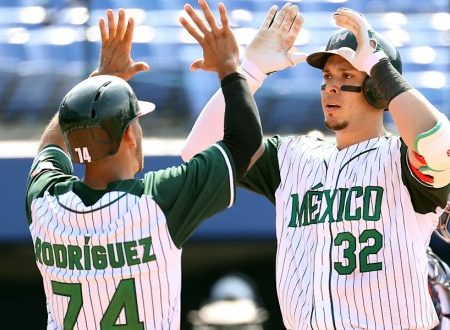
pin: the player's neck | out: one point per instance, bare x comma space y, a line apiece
99, 175
347, 138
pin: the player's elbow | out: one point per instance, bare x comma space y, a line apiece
434, 145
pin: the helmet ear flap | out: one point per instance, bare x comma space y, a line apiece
373, 95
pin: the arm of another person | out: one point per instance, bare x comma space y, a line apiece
271, 50
205, 185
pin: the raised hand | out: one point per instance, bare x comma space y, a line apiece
272, 47
115, 54
220, 49
369, 51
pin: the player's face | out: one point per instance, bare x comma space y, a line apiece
342, 108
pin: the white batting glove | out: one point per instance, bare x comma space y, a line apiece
369, 51
272, 47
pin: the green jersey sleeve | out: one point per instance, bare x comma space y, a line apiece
50, 166
194, 191
425, 198
264, 176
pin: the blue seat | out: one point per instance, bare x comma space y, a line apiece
11, 55
29, 98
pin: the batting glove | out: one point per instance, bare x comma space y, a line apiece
272, 47
369, 51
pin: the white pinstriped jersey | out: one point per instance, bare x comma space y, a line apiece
352, 229
113, 258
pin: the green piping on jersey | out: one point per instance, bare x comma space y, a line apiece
426, 134
91, 196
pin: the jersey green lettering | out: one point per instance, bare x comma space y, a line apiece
60, 252
363, 257
99, 260
377, 237
342, 199
303, 216
124, 299
314, 199
147, 254
73, 291
116, 261
358, 193
131, 253
47, 254
376, 213
74, 257
38, 249
294, 211
87, 257
329, 202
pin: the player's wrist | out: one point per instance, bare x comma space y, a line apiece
371, 60
252, 71
226, 68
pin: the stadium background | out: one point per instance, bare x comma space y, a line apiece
47, 46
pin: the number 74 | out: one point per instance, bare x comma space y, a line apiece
124, 298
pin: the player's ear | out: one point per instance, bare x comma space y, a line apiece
130, 136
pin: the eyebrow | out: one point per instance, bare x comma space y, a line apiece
350, 69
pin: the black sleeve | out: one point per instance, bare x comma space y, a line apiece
242, 126
264, 176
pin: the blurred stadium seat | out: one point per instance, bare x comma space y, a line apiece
53, 48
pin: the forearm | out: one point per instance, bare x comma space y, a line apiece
423, 128
53, 135
208, 128
242, 126
412, 113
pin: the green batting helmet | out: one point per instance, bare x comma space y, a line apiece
345, 38
94, 115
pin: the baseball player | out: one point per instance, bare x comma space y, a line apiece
108, 246
353, 219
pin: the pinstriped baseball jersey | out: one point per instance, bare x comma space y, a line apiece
352, 230
113, 257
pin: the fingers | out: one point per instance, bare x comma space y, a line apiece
296, 57
351, 20
128, 36
139, 67
289, 19
189, 28
208, 15
224, 17
111, 24
120, 30
280, 16
295, 29
196, 19
197, 64
269, 17
103, 31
